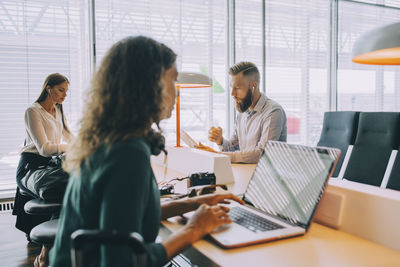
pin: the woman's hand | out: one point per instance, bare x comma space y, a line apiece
209, 215
214, 199
178, 207
206, 219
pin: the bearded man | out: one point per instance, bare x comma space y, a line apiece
259, 119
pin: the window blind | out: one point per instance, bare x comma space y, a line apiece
37, 38
195, 30
297, 36
42, 37
297, 69
365, 87
248, 33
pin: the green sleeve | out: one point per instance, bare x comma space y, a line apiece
157, 254
124, 201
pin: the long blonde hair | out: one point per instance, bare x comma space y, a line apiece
53, 80
125, 97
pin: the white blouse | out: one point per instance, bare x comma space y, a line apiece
44, 132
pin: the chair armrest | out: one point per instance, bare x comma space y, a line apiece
81, 237
41, 207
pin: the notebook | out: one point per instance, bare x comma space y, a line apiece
282, 195
188, 139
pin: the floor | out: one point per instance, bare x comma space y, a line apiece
15, 250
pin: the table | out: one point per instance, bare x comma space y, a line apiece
321, 246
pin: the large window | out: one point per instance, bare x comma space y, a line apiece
288, 39
248, 33
37, 38
195, 30
365, 87
297, 58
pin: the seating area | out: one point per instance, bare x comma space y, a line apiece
369, 142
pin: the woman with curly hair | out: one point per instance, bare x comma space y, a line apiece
112, 185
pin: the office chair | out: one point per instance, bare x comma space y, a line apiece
81, 238
39, 206
36, 210
339, 130
45, 232
378, 134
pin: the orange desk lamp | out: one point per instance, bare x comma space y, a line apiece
187, 80
381, 46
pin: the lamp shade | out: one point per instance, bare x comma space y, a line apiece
380, 46
193, 80
187, 80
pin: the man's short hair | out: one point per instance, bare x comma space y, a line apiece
248, 68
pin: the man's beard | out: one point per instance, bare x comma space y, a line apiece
244, 104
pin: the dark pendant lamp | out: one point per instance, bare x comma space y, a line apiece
380, 46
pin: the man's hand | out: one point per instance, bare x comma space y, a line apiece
215, 135
205, 148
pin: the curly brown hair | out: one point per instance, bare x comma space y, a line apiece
125, 97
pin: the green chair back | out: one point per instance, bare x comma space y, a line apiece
339, 130
378, 134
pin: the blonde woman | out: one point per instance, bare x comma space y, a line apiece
112, 186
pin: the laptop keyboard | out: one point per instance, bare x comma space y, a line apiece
252, 221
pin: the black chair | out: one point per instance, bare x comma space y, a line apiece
41, 207
81, 238
394, 178
378, 134
32, 210
339, 130
45, 232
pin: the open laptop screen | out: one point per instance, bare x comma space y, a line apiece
289, 180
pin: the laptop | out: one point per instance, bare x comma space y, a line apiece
282, 195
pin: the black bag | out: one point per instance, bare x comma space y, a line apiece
47, 182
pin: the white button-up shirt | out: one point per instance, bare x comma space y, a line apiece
267, 121
44, 132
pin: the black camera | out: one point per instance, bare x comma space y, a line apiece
201, 178
166, 189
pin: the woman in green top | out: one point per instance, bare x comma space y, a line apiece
112, 186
